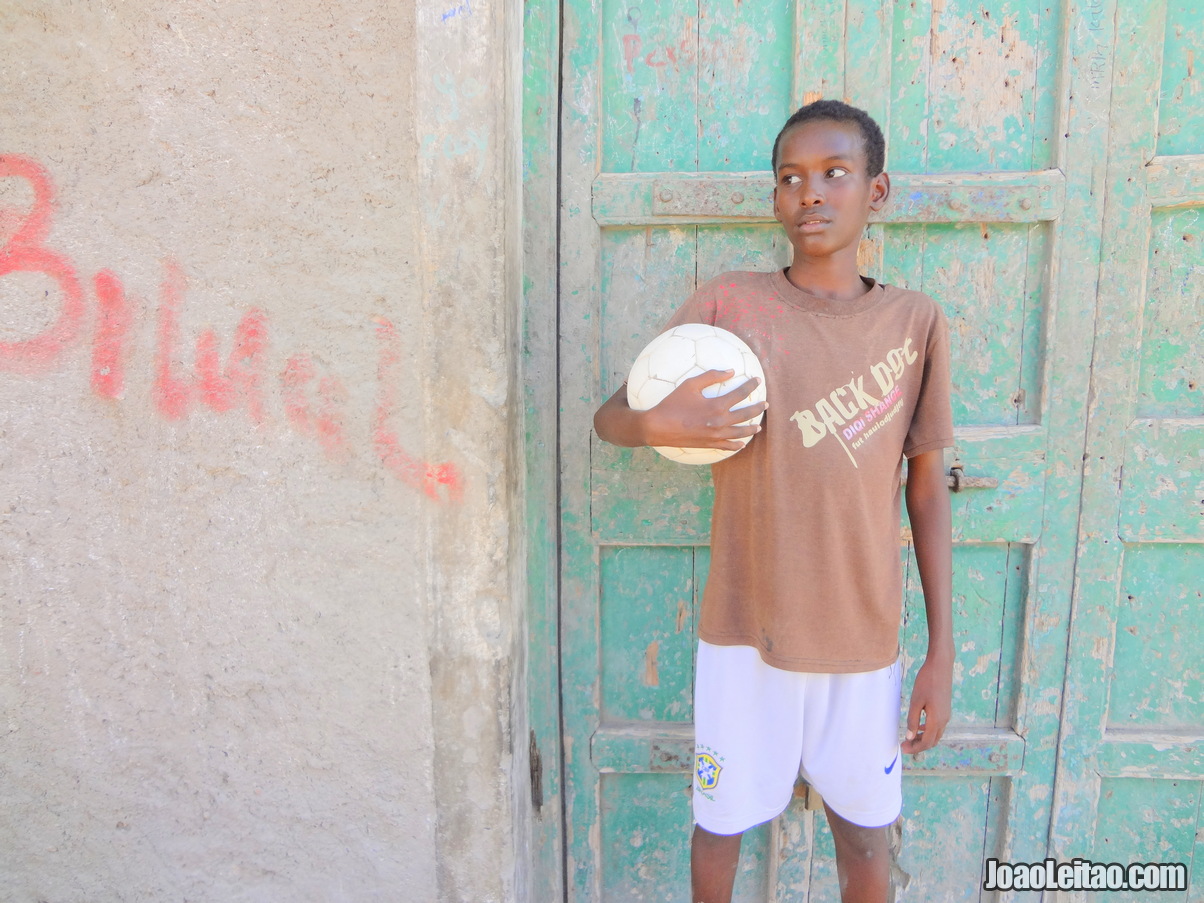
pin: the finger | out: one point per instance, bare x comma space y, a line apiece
741, 391
747, 414
921, 743
736, 416
731, 443
745, 430
937, 731
917, 741
708, 378
914, 711
736, 437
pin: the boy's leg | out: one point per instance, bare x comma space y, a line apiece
713, 861
748, 743
862, 860
851, 756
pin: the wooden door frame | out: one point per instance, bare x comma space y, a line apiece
539, 326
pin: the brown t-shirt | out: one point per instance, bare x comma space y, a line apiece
805, 561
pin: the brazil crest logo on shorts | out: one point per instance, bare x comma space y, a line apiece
707, 770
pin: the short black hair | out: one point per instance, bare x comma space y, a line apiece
838, 111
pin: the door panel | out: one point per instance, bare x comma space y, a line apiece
974, 86
1138, 816
683, 85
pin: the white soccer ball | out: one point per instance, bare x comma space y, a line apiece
686, 351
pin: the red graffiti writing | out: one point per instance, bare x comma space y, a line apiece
108, 349
419, 474
315, 404
323, 418
690, 49
217, 387
25, 253
631, 50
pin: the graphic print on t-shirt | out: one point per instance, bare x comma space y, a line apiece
850, 413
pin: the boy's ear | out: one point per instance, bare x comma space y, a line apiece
879, 191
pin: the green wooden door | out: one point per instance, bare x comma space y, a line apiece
997, 120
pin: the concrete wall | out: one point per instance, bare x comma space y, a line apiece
259, 608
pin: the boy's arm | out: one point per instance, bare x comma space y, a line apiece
931, 531
684, 419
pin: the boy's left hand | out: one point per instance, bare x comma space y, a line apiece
932, 696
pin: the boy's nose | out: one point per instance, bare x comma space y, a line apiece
811, 194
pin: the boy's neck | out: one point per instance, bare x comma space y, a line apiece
829, 278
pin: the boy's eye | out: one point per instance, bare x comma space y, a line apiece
791, 180
837, 171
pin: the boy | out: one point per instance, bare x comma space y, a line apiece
798, 637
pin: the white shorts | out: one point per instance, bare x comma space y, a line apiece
757, 728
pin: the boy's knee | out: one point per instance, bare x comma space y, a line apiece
858, 840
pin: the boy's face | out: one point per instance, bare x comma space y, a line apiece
823, 195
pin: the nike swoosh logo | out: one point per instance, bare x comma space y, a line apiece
889, 768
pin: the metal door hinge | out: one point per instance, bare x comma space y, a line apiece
536, 773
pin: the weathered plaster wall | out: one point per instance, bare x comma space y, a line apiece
257, 596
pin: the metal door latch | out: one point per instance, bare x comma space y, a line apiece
958, 480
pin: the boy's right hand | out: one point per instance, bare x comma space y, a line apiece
686, 418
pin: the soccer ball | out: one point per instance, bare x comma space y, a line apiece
686, 351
